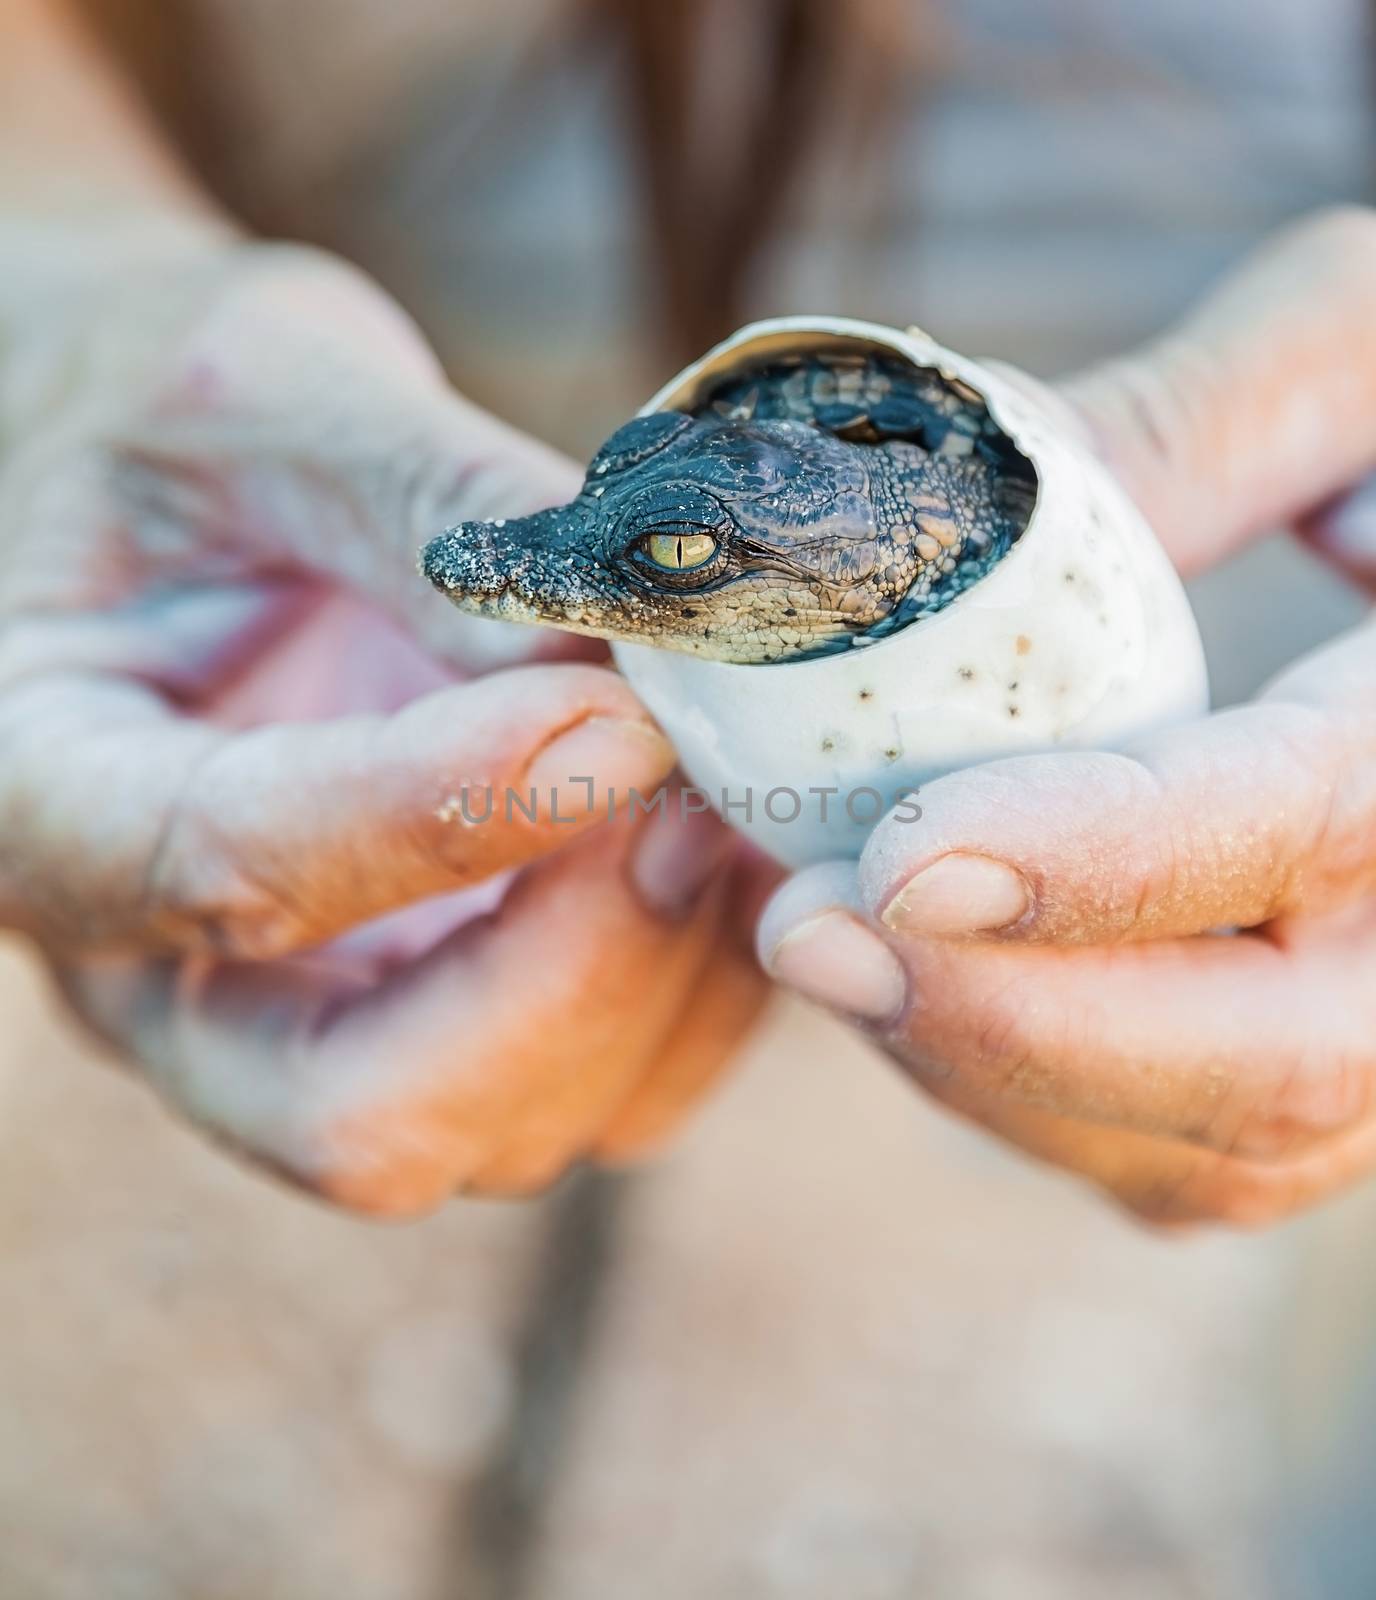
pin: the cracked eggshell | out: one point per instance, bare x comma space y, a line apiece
1081, 637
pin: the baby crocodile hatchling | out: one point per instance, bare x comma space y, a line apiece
813, 503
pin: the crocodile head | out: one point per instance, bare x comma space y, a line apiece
729, 537
746, 542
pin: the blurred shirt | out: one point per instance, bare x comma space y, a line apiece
840, 1347
1058, 174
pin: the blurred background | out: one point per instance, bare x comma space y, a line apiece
832, 1345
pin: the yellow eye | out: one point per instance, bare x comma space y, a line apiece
677, 551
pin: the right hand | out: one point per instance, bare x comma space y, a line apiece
224, 751
1041, 950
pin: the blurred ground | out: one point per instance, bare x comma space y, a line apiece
843, 1348
833, 1345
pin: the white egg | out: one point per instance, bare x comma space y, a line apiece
1080, 637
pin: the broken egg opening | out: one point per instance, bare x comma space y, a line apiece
1079, 636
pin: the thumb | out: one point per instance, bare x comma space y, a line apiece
1260, 405
303, 421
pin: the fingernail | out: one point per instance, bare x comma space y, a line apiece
578, 770
835, 959
677, 855
959, 894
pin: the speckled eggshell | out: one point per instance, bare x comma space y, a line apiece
1080, 637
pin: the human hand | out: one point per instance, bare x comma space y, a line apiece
1042, 951
224, 754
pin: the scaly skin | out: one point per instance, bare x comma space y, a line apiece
805, 507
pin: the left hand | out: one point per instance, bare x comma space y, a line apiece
231, 771
1043, 950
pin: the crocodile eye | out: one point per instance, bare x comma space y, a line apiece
677, 552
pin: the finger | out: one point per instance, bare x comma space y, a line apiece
705, 1041
125, 824
720, 1004
1248, 1045
352, 509
1261, 404
1159, 1176
1229, 821
681, 870
1172, 1184
188, 642
704, 1045
390, 1097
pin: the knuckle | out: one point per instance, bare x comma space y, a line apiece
1247, 1201
1150, 1216
1306, 748
522, 1181
1311, 1104
291, 258
337, 288
1001, 1053
1230, 1192
381, 1194
1164, 400
220, 909
263, 330
1340, 230
1223, 1190
197, 893
1157, 1197
393, 1162
1011, 1062
199, 887
378, 1129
